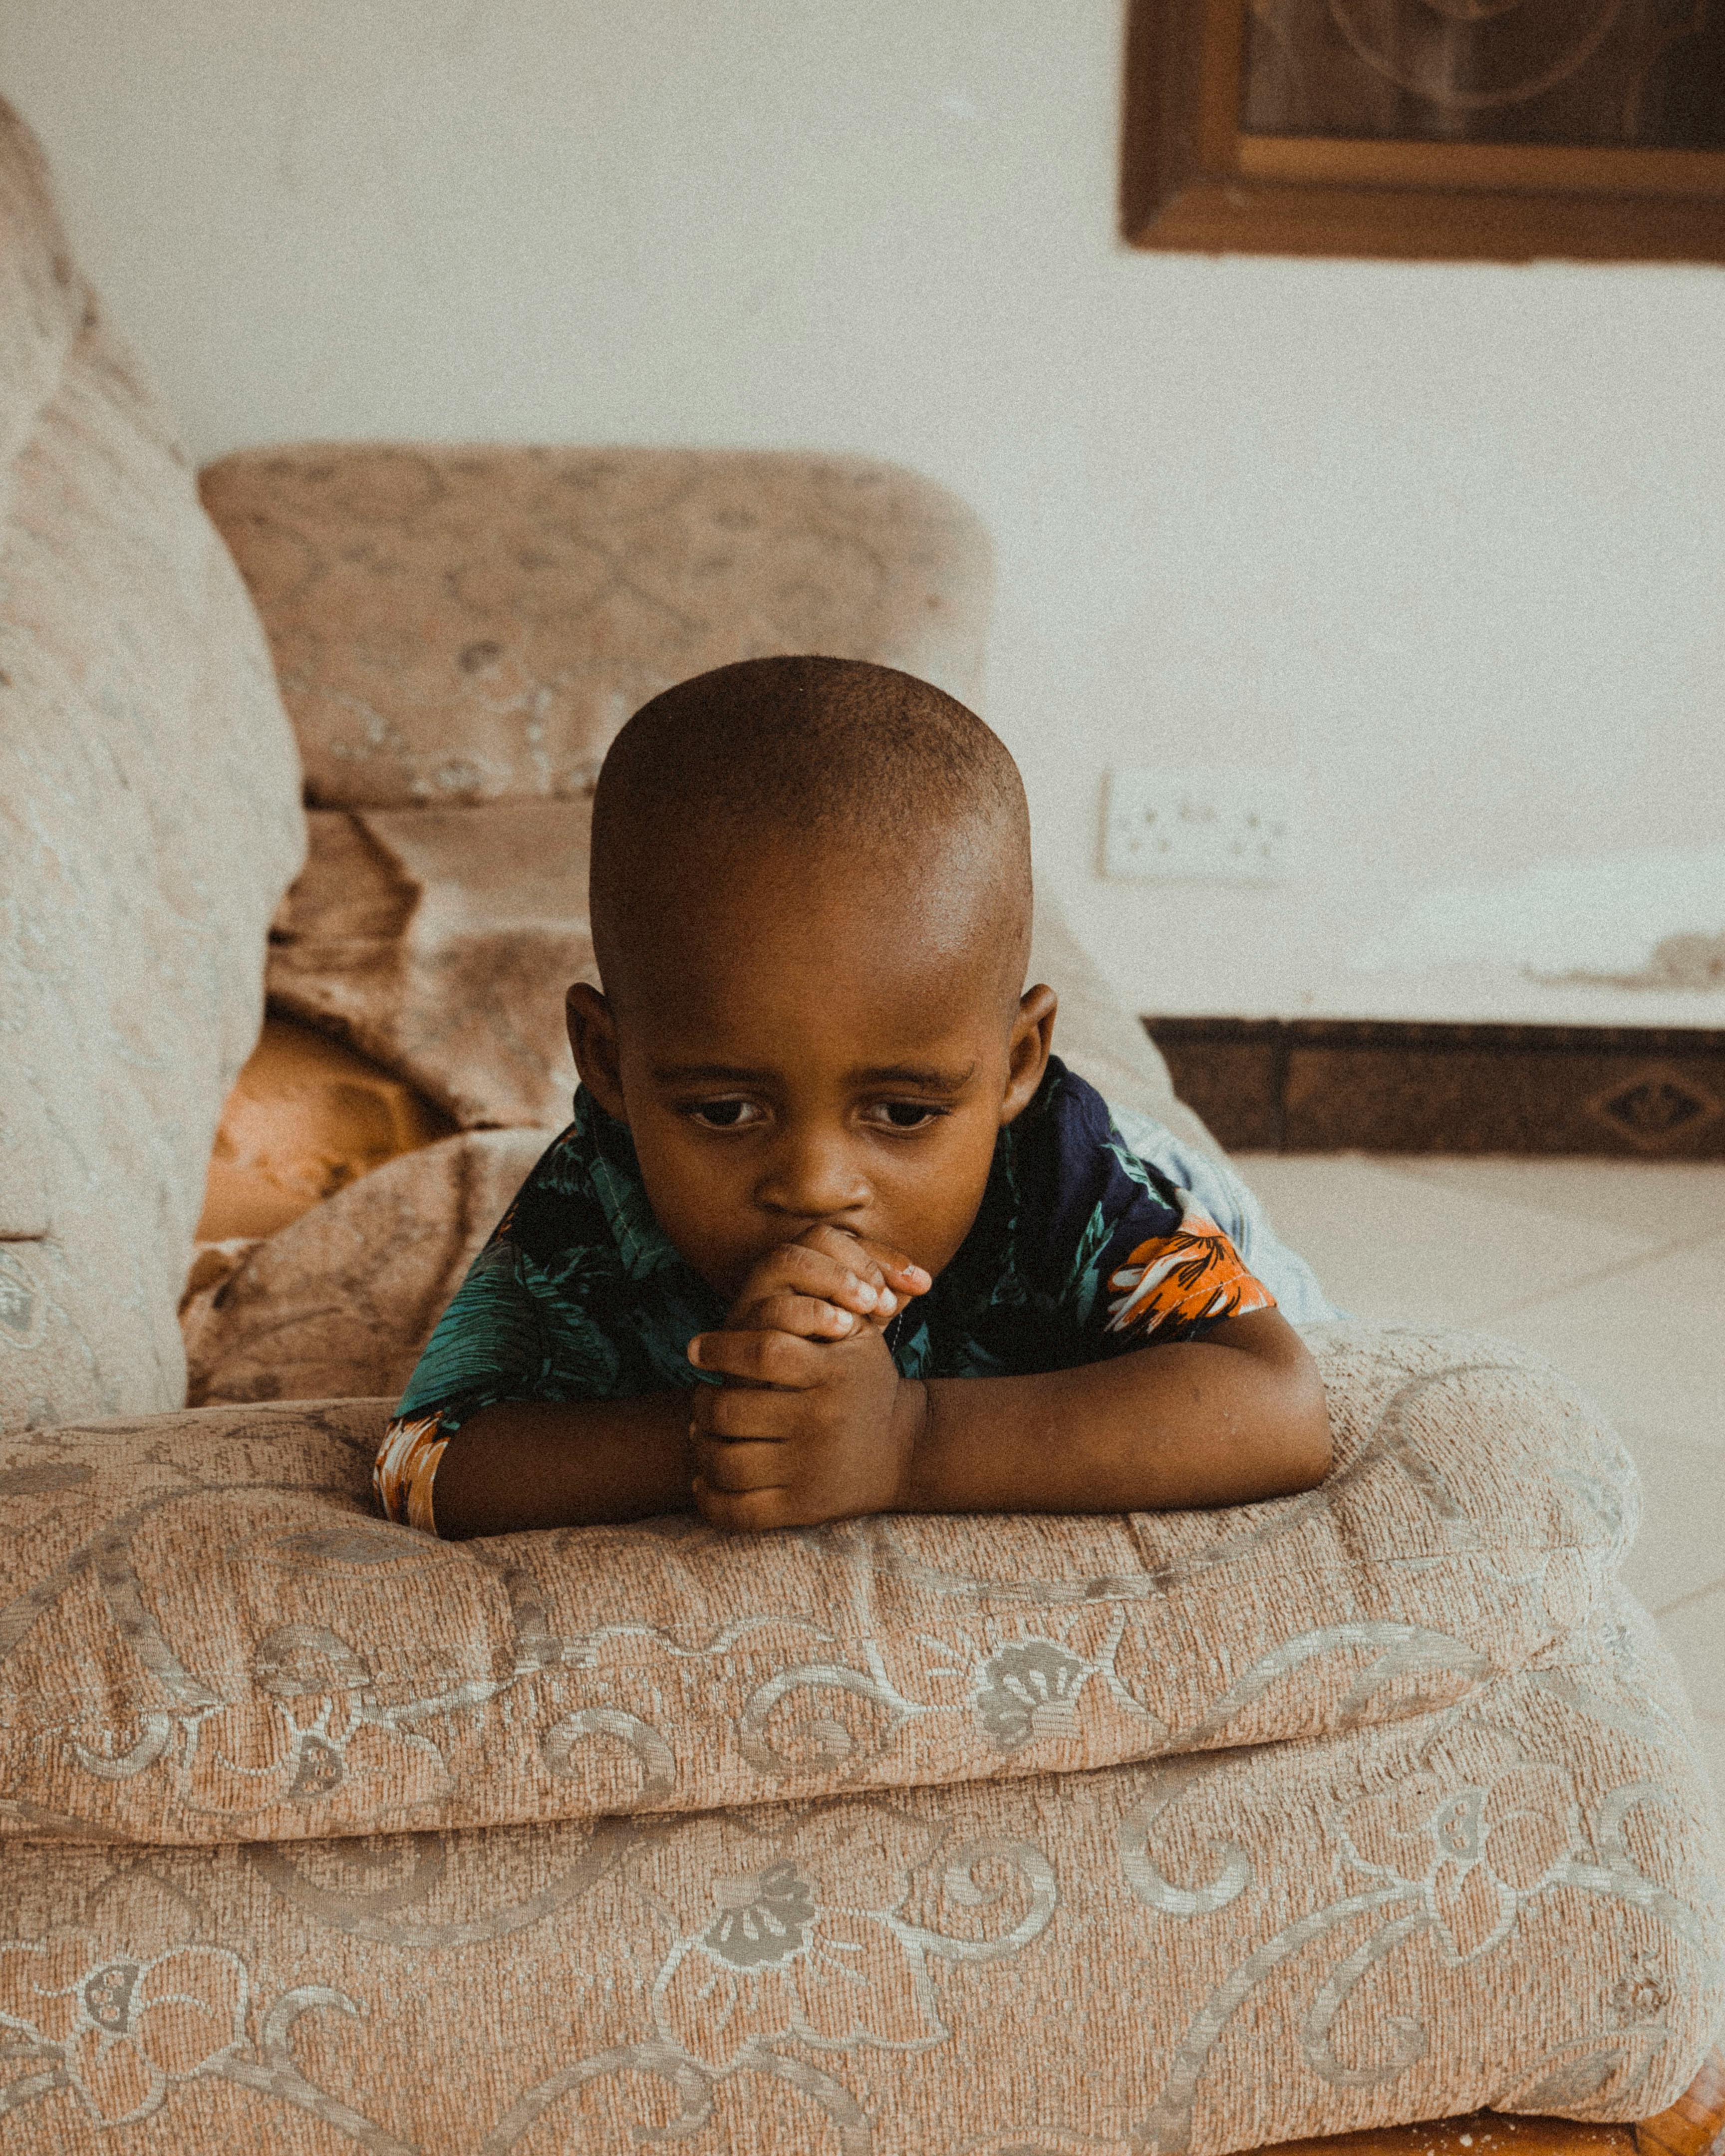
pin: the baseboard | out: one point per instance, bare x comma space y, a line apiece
1381, 1085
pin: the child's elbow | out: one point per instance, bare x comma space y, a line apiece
1306, 1452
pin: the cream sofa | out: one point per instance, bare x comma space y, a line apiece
1184, 1832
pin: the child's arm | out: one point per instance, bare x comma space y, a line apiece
1237, 1416
541, 1464
1220, 1421
817, 1424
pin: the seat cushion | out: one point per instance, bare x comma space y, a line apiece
341, 1303
149, 819
1510, 1901
439, 942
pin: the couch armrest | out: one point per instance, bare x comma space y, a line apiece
205, 1633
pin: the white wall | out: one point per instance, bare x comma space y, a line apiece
1449, 541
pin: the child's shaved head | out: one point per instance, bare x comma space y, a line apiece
863, 766
811, 909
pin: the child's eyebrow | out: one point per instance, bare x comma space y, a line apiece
720, 1073
919, 1074
922, 1077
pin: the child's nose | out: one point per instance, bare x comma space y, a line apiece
814, 1176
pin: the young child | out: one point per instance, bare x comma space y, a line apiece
832, 1231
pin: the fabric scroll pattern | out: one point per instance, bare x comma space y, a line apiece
211, 1639
853, 1976
267, 1751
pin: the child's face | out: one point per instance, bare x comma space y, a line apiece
807, 1050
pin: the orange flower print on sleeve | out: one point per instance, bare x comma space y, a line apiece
406, 1468
1173, 1284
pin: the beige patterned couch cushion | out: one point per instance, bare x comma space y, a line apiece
149, 818
256, 1655
338, 1304
1511, 1898
439, 942
1508, 1904
455, 625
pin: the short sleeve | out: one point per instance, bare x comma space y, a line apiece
577, 1297
1227, 1200
1176, 1285
1106, 1252
488, 1346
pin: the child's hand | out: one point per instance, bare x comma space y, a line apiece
815, 1423
822, 1285
818, 1430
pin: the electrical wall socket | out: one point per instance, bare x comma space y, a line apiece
1221, 823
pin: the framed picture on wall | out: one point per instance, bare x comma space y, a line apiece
1494, 130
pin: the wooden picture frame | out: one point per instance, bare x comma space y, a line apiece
1193, 180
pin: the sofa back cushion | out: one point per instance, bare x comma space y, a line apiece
460, 632
149, 819
457, 625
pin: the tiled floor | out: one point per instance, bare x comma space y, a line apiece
1615, 1269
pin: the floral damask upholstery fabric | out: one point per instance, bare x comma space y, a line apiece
149, 820
252, 1914
341, 1303
1506, 1904
469, 624
211, 1636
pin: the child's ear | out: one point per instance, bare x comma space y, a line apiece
1027, 1053
593, 1036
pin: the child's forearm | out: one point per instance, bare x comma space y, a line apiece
1190, 1423
1196, 1423
532, 1464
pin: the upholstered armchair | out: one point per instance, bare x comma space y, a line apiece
922, 1836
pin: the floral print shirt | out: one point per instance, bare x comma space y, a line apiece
1080, 1249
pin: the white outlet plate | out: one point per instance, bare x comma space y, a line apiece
1219, 823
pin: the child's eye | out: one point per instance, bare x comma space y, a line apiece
909, 1115
723, 1114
